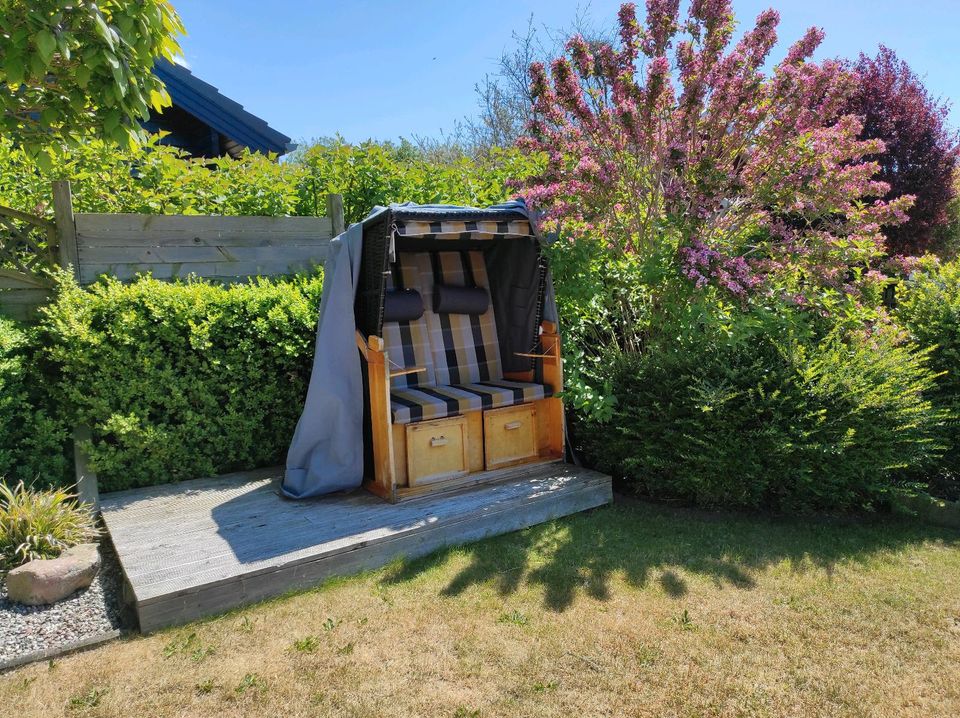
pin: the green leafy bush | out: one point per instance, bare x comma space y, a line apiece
32, 437
40, 523
755, 410
155, 179
373, 173
929, 309
182, 380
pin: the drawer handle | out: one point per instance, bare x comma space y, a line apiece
439, 441
511, 425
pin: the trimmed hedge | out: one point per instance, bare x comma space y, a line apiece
181, 380
32, 440
768, 421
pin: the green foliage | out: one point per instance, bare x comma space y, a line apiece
929, 309
154, 179
755, 409
71, 70
31, 436
372, 173
182, 380
40, 523
157, 179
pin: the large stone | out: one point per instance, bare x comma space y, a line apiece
45, 581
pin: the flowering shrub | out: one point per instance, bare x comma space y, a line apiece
750, 182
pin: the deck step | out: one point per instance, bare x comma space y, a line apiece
198, 548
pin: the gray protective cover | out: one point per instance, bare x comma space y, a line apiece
326, 454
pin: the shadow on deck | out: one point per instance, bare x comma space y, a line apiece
202, 547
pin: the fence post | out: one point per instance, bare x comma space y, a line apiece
66, 228
335, 212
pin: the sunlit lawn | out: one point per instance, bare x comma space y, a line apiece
630, 610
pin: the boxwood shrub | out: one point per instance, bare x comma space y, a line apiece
32, 438
181, 380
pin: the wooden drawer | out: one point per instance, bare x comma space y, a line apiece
509, 435
437, 450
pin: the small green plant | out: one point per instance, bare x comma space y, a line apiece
647, 655
246, 625
330, 623
307, 644
180, 644
90, 699
200, 654
40, 523
684, 621
345, 650
251, 682
464, 712
205, 687
544, 687
515, 617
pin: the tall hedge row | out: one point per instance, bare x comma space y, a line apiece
180, 380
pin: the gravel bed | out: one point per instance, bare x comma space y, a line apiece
85, 615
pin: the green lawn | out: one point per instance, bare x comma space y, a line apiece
629, 610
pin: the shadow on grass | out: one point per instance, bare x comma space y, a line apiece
645, 542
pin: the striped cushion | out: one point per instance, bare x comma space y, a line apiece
436, 402
453, 229
465, 346
408, 343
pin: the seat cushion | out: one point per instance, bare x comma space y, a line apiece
436, 402
465, 346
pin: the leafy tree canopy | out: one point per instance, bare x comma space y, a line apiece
74, 69
920, 148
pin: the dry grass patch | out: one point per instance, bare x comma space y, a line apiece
630, 610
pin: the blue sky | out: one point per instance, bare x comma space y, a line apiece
387, 69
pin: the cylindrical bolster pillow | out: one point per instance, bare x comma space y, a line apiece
402, 305
460, 300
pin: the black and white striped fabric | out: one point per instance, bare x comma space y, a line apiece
408, 342
460, 353
509, 229
436, 402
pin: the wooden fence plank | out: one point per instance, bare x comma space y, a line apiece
66, 228
204, 226
316, 252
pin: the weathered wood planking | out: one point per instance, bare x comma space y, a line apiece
202, 547
23, 304
171, 246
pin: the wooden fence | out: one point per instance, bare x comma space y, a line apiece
218, 248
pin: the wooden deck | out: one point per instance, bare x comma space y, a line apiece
202, 547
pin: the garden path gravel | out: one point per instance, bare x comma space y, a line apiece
84, 616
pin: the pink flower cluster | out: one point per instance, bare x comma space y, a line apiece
678, 134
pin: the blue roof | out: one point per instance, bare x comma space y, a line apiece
206, 103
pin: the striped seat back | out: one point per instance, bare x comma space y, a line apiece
465, 347
408, 343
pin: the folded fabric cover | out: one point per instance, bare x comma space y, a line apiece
460, 300
402, 305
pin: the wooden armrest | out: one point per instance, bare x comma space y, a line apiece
533, 356
408, 370
361, 343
